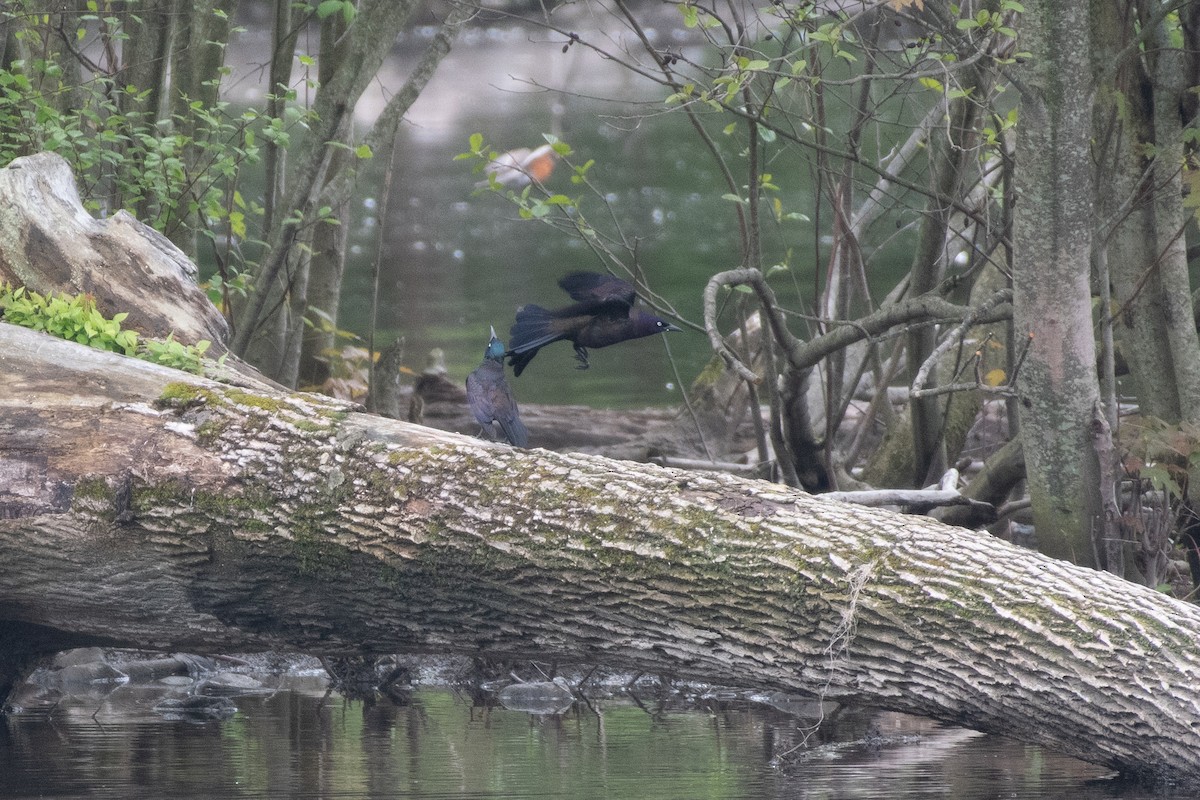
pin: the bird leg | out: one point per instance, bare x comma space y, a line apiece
581, 356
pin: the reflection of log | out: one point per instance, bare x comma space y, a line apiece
150, 508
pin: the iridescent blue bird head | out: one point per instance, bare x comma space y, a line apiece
495, 348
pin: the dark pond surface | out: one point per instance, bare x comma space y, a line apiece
297, 741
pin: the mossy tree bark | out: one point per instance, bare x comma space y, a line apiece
155, 509
1053, 227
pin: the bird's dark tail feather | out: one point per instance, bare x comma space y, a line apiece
515, 432
532, 330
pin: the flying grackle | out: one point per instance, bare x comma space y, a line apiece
490, 399
603, 314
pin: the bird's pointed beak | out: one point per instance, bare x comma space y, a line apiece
671, 327
493, 329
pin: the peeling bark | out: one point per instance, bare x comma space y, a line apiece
159, 510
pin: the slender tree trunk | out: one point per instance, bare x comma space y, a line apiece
951, 155
304, 364
1171, 220
359, 56
1124, 201
283, 46
1052, 299
196, 61
144, 59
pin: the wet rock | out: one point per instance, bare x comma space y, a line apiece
84, 678
538, 697
77, 657
231, 683
196, 707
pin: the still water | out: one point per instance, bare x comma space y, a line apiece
299, 742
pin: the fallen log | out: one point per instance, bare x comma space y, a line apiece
153, 509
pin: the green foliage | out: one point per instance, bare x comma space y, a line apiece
344, 7
73, 317
122, 155
1161, 452
76, 318
170, 353
181, 175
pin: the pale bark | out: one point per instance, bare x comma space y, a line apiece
1052, 242
50, 243
154, 509
1170, 221
1123, 119
1139, 102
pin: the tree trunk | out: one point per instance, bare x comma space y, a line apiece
196, 58
305, 360
360, 54
154, 509
951, 155
1052, 300
1171, 220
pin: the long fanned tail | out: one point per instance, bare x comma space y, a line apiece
514, 431
532, 330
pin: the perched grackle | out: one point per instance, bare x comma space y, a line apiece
602, 314
490, 399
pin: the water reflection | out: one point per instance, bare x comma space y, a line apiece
297, 742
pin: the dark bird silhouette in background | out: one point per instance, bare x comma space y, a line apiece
490, 399
603, 314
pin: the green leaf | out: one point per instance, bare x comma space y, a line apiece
363, 151
327, 7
